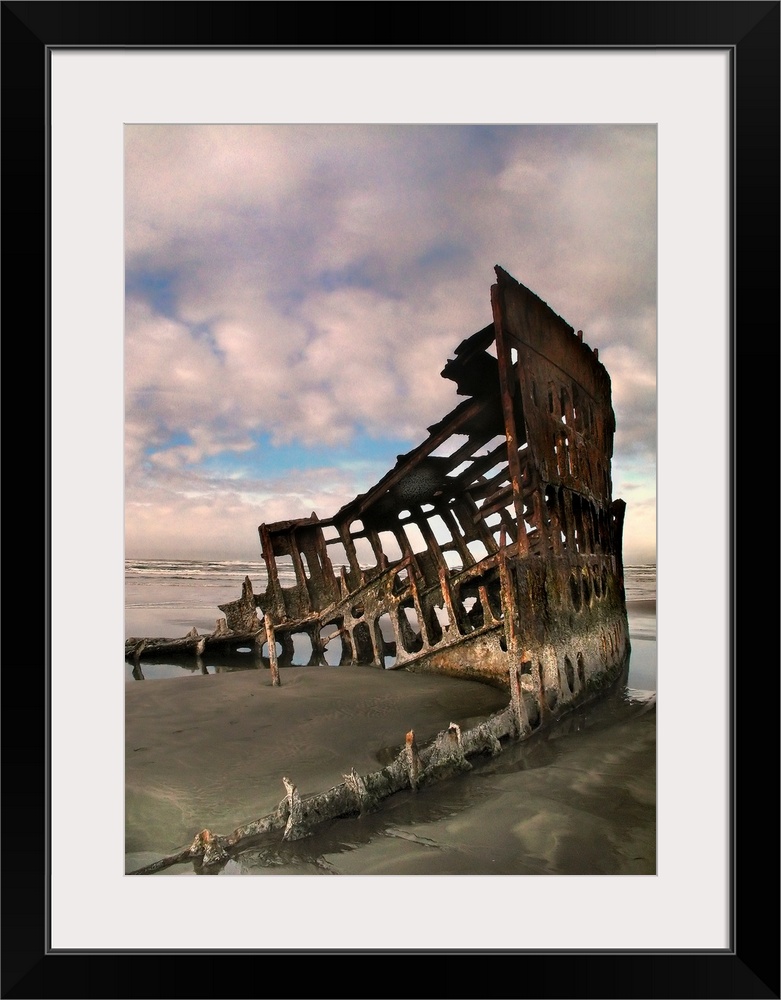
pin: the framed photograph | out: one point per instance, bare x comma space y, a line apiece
83, 91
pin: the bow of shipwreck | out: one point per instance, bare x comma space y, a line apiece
492, 550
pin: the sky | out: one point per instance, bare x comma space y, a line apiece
294, 291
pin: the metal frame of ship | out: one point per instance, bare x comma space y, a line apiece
496, 543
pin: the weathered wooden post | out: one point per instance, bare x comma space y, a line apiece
272, 650
295, 812
412, 756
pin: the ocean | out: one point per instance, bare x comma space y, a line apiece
580, 800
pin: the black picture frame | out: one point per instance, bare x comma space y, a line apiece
750, 967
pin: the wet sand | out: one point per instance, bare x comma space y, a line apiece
210, 751
580, 801
646, 606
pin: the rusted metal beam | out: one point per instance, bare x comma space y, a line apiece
267, 550
506, 383
459, 419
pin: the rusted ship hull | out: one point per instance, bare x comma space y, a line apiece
491, 551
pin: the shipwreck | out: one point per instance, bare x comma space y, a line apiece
495, 544
492, 551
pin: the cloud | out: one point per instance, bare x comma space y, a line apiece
305, 285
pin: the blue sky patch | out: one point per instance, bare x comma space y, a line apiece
178, 439
154, 287
267, 460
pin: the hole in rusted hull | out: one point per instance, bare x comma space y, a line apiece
363, 650
386, 640
409, 628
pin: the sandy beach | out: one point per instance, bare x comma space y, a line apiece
210, 751
208, 743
